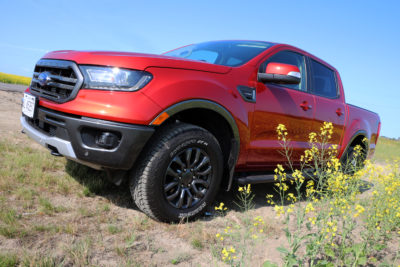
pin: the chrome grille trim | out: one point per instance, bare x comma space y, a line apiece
58, 77
66, 80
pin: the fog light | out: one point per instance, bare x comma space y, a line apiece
107, 140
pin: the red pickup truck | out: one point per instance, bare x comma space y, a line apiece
182, 124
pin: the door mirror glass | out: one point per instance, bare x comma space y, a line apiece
280, 73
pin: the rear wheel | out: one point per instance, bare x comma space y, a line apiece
179, 175
353, 160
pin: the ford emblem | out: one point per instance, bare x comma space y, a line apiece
44, 78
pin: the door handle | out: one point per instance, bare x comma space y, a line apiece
339, 112
305, 106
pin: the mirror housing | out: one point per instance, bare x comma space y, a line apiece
280, 73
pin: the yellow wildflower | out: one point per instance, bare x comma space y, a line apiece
309, 208
248, 189
221, 207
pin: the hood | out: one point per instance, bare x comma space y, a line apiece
137, 61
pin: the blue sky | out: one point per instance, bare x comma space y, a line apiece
359, 38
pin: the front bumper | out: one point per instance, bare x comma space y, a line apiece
74, 137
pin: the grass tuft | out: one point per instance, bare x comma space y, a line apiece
197, 244
80, 252
181, 258
48, 208
40, 261
114, 229
13, 231
8, 260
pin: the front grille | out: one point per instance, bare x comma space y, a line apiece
57, 80
49, 123
43, 126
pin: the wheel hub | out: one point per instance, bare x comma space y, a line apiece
187, 178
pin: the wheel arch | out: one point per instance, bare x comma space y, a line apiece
357, 138
208, 114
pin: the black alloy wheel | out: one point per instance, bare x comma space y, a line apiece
187, 178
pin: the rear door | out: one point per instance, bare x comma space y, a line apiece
329, 104
288, 104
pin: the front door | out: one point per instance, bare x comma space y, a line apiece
291, 105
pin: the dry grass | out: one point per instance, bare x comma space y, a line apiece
56, 212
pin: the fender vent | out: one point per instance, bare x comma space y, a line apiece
248, 93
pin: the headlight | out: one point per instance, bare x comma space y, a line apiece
106, 78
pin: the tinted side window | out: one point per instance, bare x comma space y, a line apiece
292, 58
323, 80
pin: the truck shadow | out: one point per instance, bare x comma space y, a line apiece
260, 191
96, 184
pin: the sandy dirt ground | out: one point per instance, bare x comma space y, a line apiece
10, 110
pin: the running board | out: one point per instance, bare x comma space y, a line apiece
267, 178
256, 179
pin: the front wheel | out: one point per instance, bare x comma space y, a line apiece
179, 175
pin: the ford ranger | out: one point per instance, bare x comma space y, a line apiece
182, 124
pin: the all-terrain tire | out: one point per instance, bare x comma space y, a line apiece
181, 157
351, 161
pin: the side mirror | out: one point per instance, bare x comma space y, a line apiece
280, 73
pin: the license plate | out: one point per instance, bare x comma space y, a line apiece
29, 105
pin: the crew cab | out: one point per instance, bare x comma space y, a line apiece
185, 123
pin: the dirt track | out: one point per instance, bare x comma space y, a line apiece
12, 87
10, 107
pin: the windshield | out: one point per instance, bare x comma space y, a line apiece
227, 53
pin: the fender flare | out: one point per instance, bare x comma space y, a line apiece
210, 105
355, 135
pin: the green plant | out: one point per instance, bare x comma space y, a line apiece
181, 258
245, 197
328, 225
236, 240
197, 244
